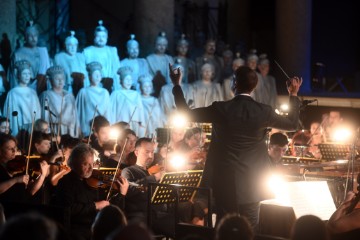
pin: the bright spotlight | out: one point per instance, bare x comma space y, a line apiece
277, 186
177, 161
179, 120
284, 107
342, 135
114, 133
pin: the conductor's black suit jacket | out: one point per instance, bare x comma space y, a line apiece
237, 160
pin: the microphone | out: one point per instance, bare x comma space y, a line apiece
14, 113
307, 102
48, 109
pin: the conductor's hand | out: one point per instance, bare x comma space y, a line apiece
293, 85
175, 75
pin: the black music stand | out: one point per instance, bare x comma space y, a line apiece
333, 151
176, 187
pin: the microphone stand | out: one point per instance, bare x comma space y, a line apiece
51, 125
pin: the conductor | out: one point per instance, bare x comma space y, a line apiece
237, 158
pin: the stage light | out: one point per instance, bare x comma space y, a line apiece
342, 135
179, 120
277, 186
284, 107
177, 161
114, 133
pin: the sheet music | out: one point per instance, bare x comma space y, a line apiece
306, 198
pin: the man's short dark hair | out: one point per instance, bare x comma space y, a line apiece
245, 79
141, 140
99, 122
279, 139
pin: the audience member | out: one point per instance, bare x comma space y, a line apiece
309, 227
233, 227
107, 220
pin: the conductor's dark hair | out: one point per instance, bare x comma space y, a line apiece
245, 79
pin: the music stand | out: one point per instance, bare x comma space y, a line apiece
333, 151
165, 194
176, 187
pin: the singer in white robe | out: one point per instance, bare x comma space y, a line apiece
23, 100
138, 65
205, 91
72, 63
166, 98
152, 112
126, 104
106, 55
38, 57
92, 101
61, 103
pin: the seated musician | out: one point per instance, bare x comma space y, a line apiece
278, 147
300, 144
16, 188
344, 223
136, 199
73, 191
126, 141
60, 169
101, 130
316, 138
41, 146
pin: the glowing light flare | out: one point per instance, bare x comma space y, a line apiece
114, 133
277, 185
177, 161
342, 134
284, 107
179, 120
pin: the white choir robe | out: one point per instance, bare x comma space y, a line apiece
206, 93
86, 101
139, 67
122, 108
270, 93
166, 98
39, 59
227, 91
75, 63
64, 109
160, 63
108, 58
154, 117
25, 101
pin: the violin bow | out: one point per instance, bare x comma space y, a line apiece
117, 169
92, 124
51, 123
60, 117
150, 116
29, 149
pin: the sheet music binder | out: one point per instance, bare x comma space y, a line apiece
164, 194
333, 151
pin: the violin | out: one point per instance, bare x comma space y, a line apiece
100, 180
356, 199
18, 165
155, 169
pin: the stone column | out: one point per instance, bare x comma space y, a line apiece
293, 40
8, 20
152, 17
238, 22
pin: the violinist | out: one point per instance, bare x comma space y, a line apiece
101, 130
42, 146
60, 168
16, 188
74, 192
136, 200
